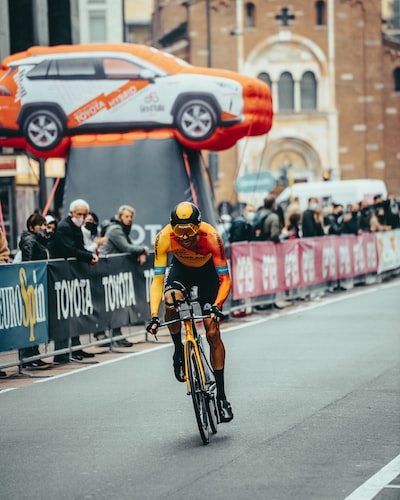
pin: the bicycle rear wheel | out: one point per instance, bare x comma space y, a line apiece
212, 409
197, 392
211, 401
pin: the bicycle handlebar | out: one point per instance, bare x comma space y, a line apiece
166, 323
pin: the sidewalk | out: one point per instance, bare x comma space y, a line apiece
102, 353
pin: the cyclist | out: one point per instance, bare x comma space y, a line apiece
198, 260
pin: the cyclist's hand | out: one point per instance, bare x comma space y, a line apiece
153, 326
215, 311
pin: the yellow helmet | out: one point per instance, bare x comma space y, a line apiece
185, 219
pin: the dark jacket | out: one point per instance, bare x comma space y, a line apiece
33, 246
309, 226
68, 242
352, 226
335, 223
240, 229
119, 241
266, 227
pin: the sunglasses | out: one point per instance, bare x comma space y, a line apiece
189, 230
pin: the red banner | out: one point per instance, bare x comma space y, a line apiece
262, 268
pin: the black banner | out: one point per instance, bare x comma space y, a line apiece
87, 299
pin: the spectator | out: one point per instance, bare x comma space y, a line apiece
68, 242
293, 208
365, 216
377, 221
351, 224
312, 220
51, 226
391, 207
291, 231
242, 224
336, 219
4, 250
224, 227
4, 259
33, 246
119, 241
91, 238
267, 225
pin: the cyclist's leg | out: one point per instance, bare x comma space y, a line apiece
208, 289
175, 274
217, 358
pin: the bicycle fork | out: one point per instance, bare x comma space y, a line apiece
192, 341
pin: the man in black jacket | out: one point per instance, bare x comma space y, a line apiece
311, 223
68, 242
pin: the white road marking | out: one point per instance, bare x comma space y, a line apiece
377, 482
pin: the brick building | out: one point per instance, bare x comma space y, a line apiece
334, 70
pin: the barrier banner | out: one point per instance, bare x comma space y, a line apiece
255, 269
23, 305
388, 248
262, 268
88, 299
365, 258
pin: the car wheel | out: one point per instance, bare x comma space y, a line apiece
196, 120
43, 130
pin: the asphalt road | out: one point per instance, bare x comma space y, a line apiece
316, 397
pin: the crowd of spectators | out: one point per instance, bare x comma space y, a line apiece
79, 236
271, 223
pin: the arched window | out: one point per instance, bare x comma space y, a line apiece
286, 92
264, 77
396, 79
308, 91
250, 15
320, 11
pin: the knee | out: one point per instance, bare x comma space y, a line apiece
169, 299
213, 335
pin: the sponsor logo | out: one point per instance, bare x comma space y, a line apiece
23, 304
104, 102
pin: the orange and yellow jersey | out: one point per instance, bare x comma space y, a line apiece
209, 246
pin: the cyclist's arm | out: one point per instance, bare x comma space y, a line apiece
221, 266
161, 246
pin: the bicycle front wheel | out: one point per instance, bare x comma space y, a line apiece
198, 392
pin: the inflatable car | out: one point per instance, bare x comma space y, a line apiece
48, 94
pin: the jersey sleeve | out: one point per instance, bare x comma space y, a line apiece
221, 266
161, 247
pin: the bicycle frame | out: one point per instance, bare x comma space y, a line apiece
196, 369
191, 336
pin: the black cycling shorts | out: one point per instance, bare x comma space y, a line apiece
205, 278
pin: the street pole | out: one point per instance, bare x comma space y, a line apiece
209, 59
42, 185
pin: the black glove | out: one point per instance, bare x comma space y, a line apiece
208, 308
154, 321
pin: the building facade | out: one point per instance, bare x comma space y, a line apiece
24, 182
333, 67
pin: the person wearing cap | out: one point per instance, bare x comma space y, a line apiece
51, 226
198, 260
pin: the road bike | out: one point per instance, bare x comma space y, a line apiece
198, 373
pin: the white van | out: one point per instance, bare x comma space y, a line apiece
327, 192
